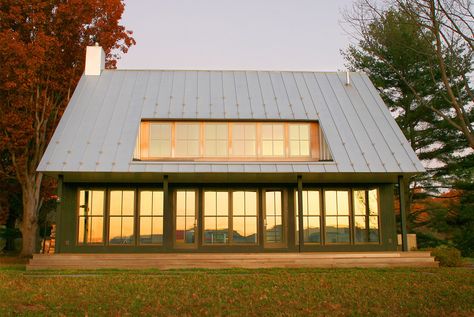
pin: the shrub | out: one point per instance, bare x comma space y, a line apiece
427, 240
447, 256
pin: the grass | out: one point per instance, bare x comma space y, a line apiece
237, 292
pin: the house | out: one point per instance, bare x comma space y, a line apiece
152, 161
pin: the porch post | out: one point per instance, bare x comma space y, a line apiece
167, 216
403, 216
300, 212
59, 193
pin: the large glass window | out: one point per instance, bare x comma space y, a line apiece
244, 139
216, 139
273, 139
91, 217
216, 217
121, 217
274, 231
226, 223
151, 217
187, 139
366, 216
160, 140
244, 217
299, 139
311, 216
336, 208
186, 218
229, 140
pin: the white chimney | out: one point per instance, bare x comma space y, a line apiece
95, 60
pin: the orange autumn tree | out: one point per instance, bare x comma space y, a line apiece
42, 55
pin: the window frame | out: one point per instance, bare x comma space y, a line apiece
138, 217
175, 243
142, 148
104, 217
134, 216
367, 215
322, 232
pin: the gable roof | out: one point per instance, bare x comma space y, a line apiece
98, 130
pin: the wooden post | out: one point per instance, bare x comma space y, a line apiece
59, 202
300, 212
403, 216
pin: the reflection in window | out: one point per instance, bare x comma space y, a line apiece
366, 215
336, 208
186, 217
219, 228
273, 217
244, 217
91, 217
244, 139
160, 140
299, 139
215, 139
121, 216
151, 217
273, 139
216, 217
311, 216
187, 139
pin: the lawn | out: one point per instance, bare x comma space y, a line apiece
266, 292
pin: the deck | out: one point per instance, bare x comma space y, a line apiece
166, 261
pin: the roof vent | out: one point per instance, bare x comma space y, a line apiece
348, 78
95, 60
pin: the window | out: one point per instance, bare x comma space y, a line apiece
311, 216
186, 218
244, 139
151, 217
187, 140
366, 216
299, 139
215, 139
273, 136
121, 216
160, 140
336, 208
259, 141
91, 217
226, 223
216, 217
274, 232
244, 217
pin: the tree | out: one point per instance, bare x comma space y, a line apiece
42, 58
448, 27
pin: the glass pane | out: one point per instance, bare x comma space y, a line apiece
157, 229
250, 148
127, 230
330, 201
157, 203
304, 131
251, 229
270, 203
312, 229
278, 148
238, 131
267, 148
193, 148
343, 203
238, 203
115, 230
145, 230
313, 202
160, 148
181, 148
128, 204
294, 132
238, 229
295, 148
146, 203
238, 148
97, 203
190, 203
361, 233
304, 148
359, 202
96, 230
250, 203
180, 203
190, 227
222, 204
267, 132
115, 202
210, 203
278, 131
373, 202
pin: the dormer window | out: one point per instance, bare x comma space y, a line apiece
230, 141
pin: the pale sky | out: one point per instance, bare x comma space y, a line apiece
235, 34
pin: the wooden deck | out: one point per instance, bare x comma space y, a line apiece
231, 260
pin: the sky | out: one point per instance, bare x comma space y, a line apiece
235, 34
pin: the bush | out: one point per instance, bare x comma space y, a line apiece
447, 256
426, 240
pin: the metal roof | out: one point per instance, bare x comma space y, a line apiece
98, 130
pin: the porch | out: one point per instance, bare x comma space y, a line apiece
164, 261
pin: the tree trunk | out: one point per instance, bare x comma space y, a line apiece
29, 224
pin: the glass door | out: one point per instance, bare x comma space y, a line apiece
185, 232
274, 219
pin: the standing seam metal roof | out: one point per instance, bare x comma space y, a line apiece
98, 130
